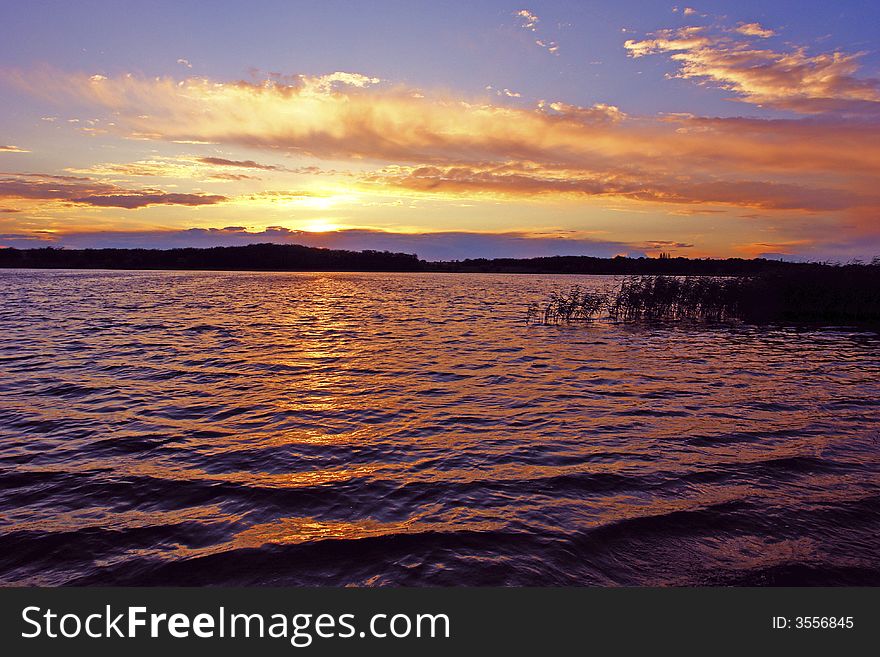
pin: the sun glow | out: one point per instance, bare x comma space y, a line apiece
320, 226
788, 169
319, 202
295, 200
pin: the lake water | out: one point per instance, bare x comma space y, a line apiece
411, 429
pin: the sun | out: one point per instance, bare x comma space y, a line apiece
317, 202
320, 226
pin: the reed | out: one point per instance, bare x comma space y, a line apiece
673, 298
836, 294
577, 304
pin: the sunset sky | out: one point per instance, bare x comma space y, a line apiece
449, 129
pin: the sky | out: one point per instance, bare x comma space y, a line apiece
447, 129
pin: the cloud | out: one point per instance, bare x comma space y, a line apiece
230, 176
551, 46
793, 80
183, 166
184, 62
514, 179
87, 191
430, 246
684, 38
441, 144
666, 244
12, 149
327, 83
287, 194
829, 250
143, 199
755, 29
597, 113
242, 164
50, 187
508, 93
528, 20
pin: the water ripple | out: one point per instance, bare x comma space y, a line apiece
407, 429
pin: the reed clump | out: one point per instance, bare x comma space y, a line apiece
576, 304
672, 298
823, 293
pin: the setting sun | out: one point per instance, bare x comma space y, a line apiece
320, 226
693, 133
568, 296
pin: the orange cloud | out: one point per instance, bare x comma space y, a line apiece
528, 20
87, 191
50, 187
514, 179
682, 39
755, 29
792, 80
143, 199
197, 168
441, 144
243, 164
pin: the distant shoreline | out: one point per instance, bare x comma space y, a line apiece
296, 258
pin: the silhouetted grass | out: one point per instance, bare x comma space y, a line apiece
841, 294
576, 304
667, 297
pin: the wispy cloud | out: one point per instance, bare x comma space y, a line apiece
184, 62
528, 19
241, 164
12, 149
551, 46
792, 80
88, 191
327, 83
143, 199
515, 179
755, 29
50, 187
180, 167
507, 93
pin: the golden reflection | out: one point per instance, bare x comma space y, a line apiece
386, 393
291, 531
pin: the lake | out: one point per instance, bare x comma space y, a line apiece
235, 428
